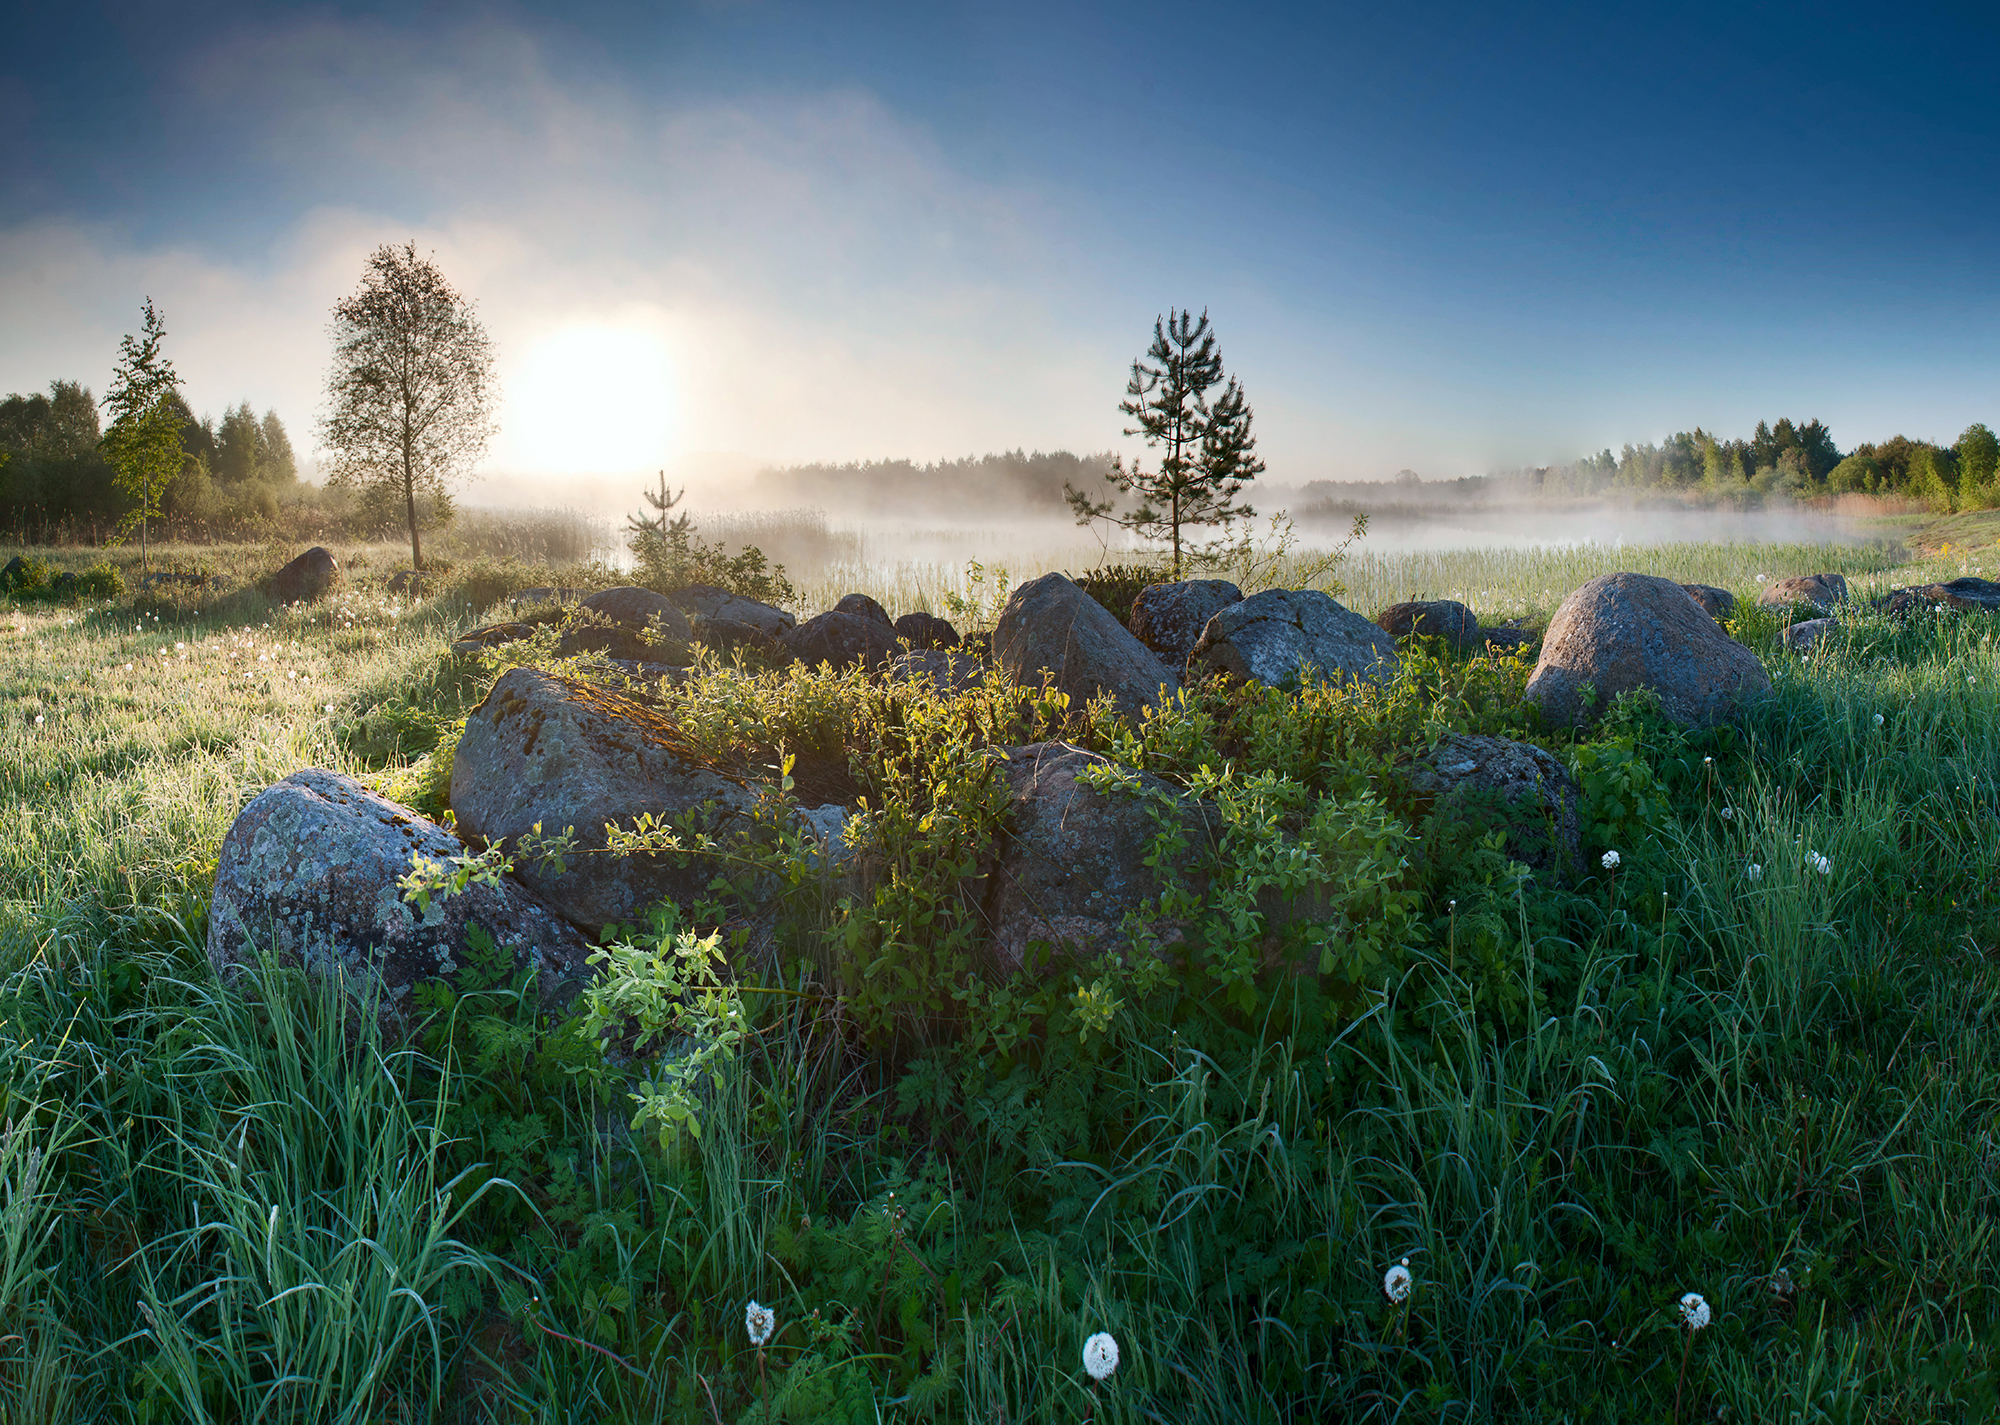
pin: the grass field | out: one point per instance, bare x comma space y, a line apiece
1756, 1060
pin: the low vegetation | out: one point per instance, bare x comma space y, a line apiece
1465, 1164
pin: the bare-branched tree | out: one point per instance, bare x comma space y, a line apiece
411, 393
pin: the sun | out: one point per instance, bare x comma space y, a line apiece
591, 399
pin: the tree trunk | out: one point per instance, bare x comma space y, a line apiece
410, 502
146, 494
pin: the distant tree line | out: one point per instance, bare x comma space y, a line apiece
1011, 482
56, 485
1794, 460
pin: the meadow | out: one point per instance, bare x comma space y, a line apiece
1754, 1057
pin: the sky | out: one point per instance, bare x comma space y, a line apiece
707, 237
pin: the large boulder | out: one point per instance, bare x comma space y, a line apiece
564, 753
1272, 637
543, 594
307, 577
640, 610
924, 630
1169, 618
1822, 591
1438, 618
728, 635
1620, 632
947, 673
492, 635
308, 874
1051, 626
706, 601
1072, 861
1808, 635
841, 639
1536, 790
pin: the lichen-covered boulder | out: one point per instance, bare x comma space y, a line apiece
1620, 632
565, 753
1051, 627
1964, 595
1805, 636
309, 576
308, 873
1169, 618
1538, 791
1072, 861
707, 602
1274, 636
640, 610
1436, 618
1822, 591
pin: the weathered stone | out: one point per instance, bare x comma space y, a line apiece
491, 635
64, 585
543, 594
1052, 627
1967, 595
728, 635
1072, 860
565, 753
413, 583
843, 638
923, 630
616, 641
1506, 640
307, 577
861, 606
1718, 604
1543, 832
706, 601
640, 610
1169, 618
1436, 618
1620, 632
1274, 636
12, 574
947, 673
308, 873
1801, 637
1820, 590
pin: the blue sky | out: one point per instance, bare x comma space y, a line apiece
1446, 237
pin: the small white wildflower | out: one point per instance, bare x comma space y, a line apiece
1878, 719
1707, 761
1760, 578
1396, 1282
1754, 871
1729, 814
1100, 1355
39, 719
758, 1321
1610, 860
1694, 1311
1821, 864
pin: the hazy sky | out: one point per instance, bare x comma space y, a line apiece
1449, 237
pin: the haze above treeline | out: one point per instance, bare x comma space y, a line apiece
240, 472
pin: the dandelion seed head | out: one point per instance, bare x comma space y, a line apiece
759, 1321
1100, 1355
1754, 871
1610, 861
1694, 1311
1396, 1282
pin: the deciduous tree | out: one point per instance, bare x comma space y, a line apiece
144, 441
411, 393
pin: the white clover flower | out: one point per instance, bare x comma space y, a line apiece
1610, 860
1100, 1355
1754, 871
758, 1321
1396, 1282
1694, 1311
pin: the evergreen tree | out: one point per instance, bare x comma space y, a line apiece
1207, 451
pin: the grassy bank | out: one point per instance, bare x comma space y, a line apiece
1754, 1060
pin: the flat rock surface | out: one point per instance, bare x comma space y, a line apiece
1169, 618
1273, 636
308, 873
554, 750
1620, 632
1052, 627
1963, 595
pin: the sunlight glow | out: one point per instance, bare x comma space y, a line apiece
591, 399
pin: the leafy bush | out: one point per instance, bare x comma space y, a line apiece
25, 575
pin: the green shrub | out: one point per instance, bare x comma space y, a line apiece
101, 581
25, 575
1116, 585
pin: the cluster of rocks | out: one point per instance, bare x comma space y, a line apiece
309, 870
